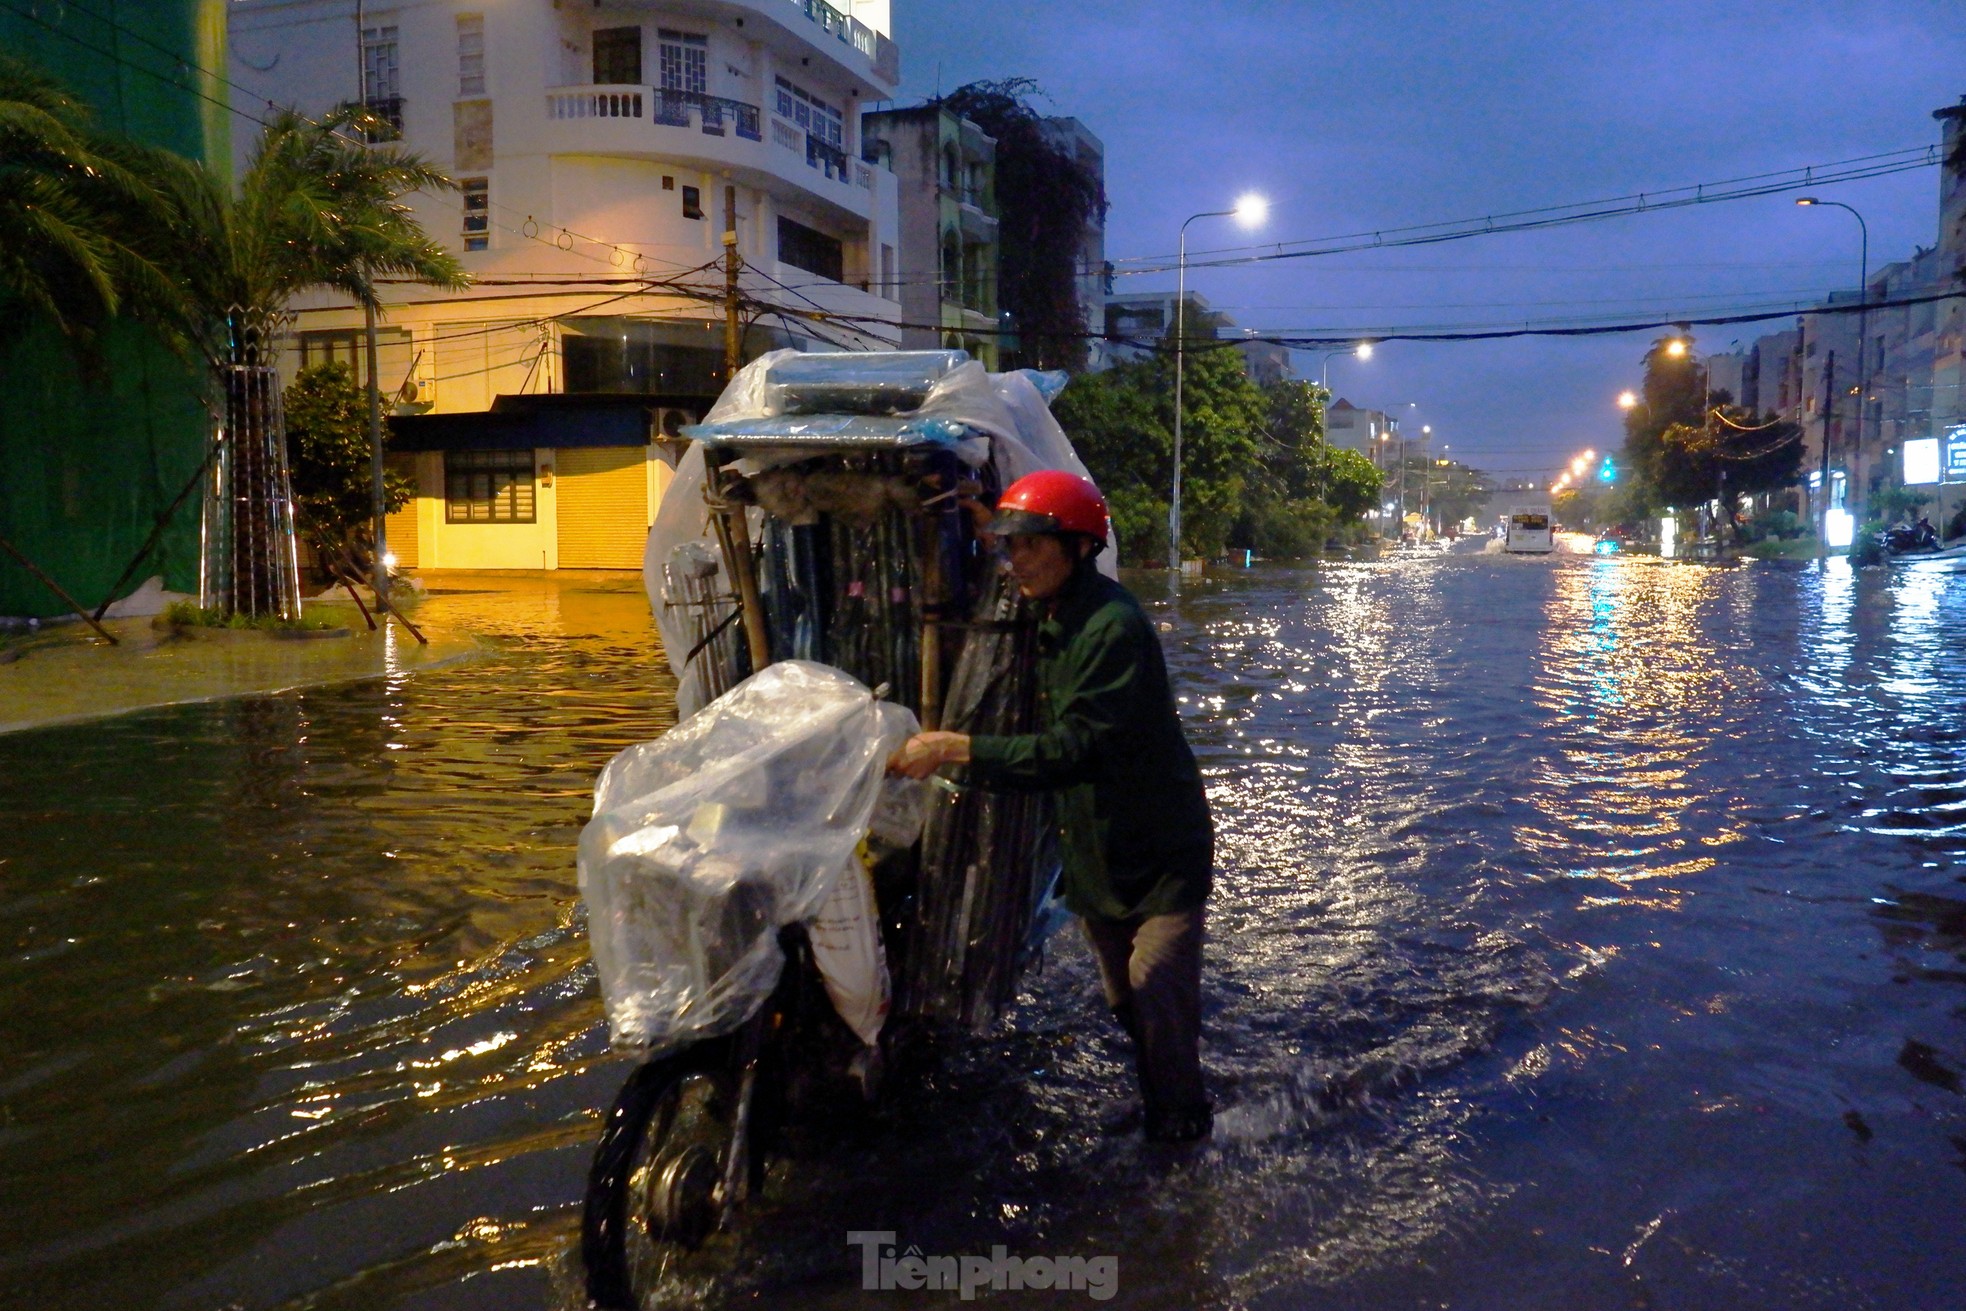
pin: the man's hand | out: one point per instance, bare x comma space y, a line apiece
924, 753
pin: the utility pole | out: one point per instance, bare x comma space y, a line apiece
1822, 502
733, 529
733, 265
379, 576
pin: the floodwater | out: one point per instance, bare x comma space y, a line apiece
1590, 933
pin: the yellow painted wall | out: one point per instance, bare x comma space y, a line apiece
445, 545
592, 510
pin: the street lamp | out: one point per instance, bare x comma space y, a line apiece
1361, 351
1627, 400
1863, 380
1250, 211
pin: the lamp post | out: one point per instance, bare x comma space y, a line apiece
1361, 351
1863, 330
1249, 211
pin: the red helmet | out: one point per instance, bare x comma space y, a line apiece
1051, 501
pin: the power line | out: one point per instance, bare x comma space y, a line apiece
1706, 193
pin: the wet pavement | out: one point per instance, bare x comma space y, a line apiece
1590, 933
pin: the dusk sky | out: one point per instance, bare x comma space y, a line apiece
1363, 116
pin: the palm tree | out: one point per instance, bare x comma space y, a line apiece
316, 208
94, 226
67, 193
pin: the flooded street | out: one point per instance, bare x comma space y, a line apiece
1589, 932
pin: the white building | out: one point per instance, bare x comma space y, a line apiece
594, 143
1137, 321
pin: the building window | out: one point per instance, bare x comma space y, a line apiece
952, 268
470, 55
477, 212
816, 116
382, 93
692, 203
809, 249
349, 347
685, 61
380, 78
488, 487
617, 56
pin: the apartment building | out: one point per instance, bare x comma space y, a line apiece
1095, 276
1886, 377
595, 146
945, 168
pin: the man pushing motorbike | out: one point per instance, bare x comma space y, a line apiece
1138, 843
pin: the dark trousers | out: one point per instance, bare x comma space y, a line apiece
1151, 970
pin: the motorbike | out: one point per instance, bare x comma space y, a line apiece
854, 574
1907, 539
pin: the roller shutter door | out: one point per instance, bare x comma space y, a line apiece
603, 507
401, 526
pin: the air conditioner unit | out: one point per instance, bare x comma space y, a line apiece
667, 438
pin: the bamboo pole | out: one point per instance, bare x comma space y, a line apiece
56, 588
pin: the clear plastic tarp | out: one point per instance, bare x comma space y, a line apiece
707, 841
1005, 419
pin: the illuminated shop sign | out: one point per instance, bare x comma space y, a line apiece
1955, 455
1922, 460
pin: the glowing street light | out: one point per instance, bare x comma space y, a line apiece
1676, 348
1250, 211
1627, 400
1362, 351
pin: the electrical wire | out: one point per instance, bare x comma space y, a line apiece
1589, 211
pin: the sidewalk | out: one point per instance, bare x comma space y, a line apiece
64, 673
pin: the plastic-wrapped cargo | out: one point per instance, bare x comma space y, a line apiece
1003, 420
708, 840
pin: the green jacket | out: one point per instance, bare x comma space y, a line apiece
1133, 817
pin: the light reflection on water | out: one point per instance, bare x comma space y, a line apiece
1560, 909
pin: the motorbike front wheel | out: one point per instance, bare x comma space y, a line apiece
656, 1190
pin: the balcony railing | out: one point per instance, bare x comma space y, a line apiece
594, 104
673, 108
828, 158
717, 115
839, 26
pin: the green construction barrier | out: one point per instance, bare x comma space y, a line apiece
89, 466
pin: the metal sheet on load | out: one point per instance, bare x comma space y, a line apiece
828, 432
869, 383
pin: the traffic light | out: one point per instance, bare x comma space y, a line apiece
1608, 471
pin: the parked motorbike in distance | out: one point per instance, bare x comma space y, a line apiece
1906, 539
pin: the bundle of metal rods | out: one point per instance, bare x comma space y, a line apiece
690, 584
864, 561
986, 856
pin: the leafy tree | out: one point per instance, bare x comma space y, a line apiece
1674, 393
329, 454
1115, 419
1046, 201
1725, 458
1351, 484
1257, 472
1281, 514
1122, 422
